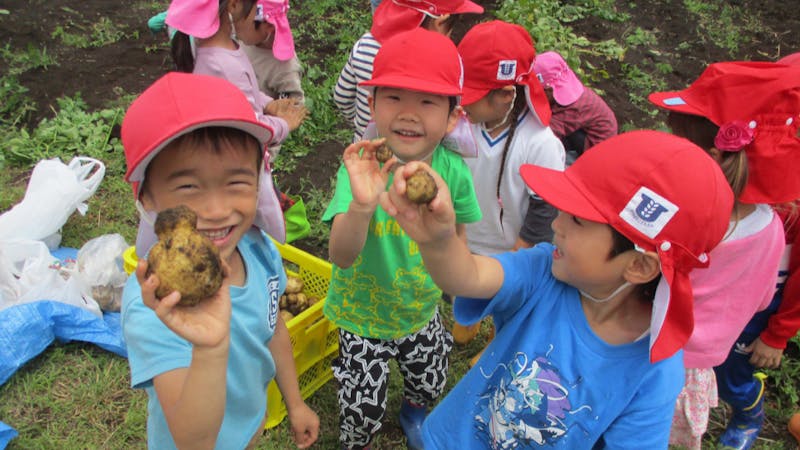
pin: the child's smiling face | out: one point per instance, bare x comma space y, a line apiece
582, 257
412, 122
220, 185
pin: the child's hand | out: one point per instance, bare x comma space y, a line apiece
288, 109
206, 324
367, 178
305, 425
426, 223
764, 356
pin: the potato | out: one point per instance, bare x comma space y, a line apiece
297, 302
287, 316
283, 302
293, 284
421, 187
184, 259
312, 300
383, 153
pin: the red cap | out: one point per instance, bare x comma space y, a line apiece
498, 54
418, 60
764, 97
176, 104
791, 59
396, 16
663, 193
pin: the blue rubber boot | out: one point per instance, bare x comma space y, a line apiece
745, 424
411, 418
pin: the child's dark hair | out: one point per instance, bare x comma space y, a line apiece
702, 132
181, 46
516, 109
218, 139
620, 244
448, 23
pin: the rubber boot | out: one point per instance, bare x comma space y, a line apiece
477, 357
411, 418
745, 424
794, 426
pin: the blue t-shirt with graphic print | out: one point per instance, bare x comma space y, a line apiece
546, 380
154, 349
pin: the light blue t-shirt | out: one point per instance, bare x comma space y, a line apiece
153, 349
546, 380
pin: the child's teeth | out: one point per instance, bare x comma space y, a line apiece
216, 234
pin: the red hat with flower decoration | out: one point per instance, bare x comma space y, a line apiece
756, 106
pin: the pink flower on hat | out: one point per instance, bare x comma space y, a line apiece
734, 136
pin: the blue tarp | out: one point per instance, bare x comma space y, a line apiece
28, 329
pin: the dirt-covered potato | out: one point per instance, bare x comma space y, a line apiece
297, 303
287, 316
421, 187
383, 153
184, 259
283, 302
293, 284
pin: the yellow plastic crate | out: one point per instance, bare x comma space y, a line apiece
315, 341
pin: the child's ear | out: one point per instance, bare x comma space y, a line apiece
371, 103
452, 119
506, 93
642, 268
441, 25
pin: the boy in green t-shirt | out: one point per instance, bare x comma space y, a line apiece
380, 295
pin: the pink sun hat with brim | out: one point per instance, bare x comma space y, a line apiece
418, 60
662, 192
275, 12
197, 18
498, 54
179, 103
396, 16
556, 74
756, 106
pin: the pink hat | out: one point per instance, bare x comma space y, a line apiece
498, 54
274, 12
395, 16
418, 60
757, 107
179, 103
663, 193
556, 74
198, 18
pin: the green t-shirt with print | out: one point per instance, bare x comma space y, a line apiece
387, 293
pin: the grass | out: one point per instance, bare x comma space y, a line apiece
75, 395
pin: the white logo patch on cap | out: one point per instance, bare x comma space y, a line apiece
648, 212
507, 69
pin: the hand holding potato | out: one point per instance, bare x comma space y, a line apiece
367, 177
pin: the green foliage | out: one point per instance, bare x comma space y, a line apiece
640, 37
16, 107
101, 33
21, 61
726, 24
547, 21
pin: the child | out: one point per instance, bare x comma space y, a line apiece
509, 111
744, 115
274, 60
571, 365
581, 118
380, 295
390, 18
193, 140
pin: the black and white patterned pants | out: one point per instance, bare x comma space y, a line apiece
362, 370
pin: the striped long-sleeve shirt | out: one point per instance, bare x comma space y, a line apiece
350, 99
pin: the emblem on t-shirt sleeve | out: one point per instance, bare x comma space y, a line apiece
272, 291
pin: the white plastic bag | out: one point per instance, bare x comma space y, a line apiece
37, 275
100, 268
54, 191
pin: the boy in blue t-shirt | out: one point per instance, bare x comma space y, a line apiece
589, 328
193, 140
380, 295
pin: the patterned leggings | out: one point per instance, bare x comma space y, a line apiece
362, 370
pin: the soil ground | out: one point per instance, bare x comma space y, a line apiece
103, 74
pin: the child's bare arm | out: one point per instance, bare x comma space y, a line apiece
304, 421
444, 250
367, 181
193, 398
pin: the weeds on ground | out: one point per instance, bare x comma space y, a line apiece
726, 24
21, 61
102, 32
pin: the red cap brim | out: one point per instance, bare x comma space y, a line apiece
560, 190
673, 101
